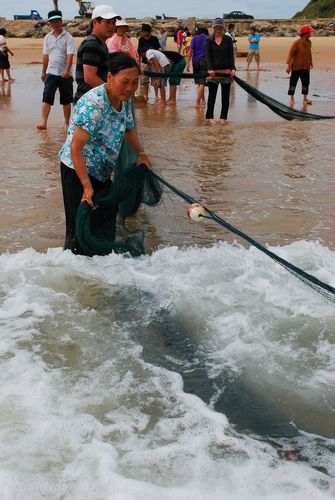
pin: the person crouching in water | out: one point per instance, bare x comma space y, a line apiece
219, 58
159, 63
101, 119
299, 63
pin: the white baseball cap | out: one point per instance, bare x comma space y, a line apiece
104, 11
121, 22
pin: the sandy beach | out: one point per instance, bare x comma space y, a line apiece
29, 50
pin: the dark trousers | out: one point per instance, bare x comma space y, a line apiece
303, 74
72, 194
212, 91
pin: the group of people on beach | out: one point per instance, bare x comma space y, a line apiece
108, 71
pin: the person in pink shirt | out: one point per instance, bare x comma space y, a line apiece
179, 39
120, 42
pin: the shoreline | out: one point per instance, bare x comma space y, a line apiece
273, 49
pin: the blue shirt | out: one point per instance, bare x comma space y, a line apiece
254, 45
106, 126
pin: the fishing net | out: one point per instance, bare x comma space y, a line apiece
135, 186
278, 107
132, 185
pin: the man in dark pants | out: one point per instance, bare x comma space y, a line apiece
58, 51
92, 58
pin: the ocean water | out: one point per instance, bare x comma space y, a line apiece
184, 374
199, 371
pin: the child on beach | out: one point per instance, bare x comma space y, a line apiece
4, 60
187, 43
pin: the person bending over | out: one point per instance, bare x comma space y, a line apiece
101, 119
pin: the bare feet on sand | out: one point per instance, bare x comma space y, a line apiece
41, 127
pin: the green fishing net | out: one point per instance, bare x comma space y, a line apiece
132, 185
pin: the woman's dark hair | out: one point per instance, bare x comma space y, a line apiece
3, 32
146, 27
119, 61
202, 30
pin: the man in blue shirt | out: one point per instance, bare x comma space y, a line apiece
254, 39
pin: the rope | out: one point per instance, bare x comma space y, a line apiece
322, 288
277, 107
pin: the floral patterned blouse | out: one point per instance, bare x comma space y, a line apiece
106, 126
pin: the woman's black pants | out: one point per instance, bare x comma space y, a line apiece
212, 91
303, 74
72, 194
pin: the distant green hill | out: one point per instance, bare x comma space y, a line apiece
317, 8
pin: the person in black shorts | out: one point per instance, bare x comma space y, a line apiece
4, 59
93, 56
59, 49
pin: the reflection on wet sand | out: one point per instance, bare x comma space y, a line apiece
5, 94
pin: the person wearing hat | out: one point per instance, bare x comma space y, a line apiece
93, 55
59, 48
120, 42
299, 63
219, 58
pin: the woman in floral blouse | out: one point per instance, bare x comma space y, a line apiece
101, 119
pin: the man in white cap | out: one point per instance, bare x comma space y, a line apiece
92, 59
58, 50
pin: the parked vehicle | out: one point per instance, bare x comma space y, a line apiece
237, 14
34, 14
85, 8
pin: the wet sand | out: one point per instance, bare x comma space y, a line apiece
271, 178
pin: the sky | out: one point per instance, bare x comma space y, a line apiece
260, 9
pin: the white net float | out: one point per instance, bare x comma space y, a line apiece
195, 212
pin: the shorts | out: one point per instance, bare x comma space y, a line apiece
54, 82
251, 54
4, 61
177, 68
162, 82
200, 67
